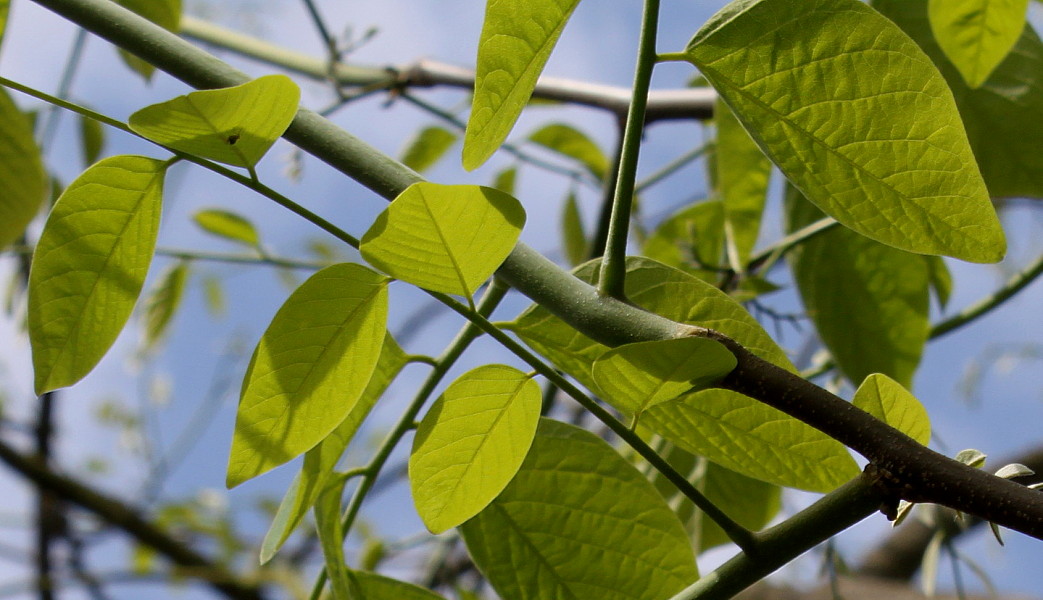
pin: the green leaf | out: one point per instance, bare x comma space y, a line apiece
889, 401
235, 125
163, 302
742, 176
517, 39
1002, 116
444, 238
5, 6
320, 460
578, 521
92, 138
471, 443
505, 179
215, 295
427, 147
885, 156
869, 301
941, 279
574, 241
90, 264
165, 13
572, 143
976, 35
228, 225
23, 181
691, 238
378, 587
310, 368
638, 376
730, 429
331, 537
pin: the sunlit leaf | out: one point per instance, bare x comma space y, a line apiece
638, 376
972, 457
378, 587
331, 538
309, 369
737, 432
235, 125
885, 156
165, 13
574, 241
1002, 116
976, 35
23, 182
516, 41
690, 239
445, 238
163, 302
569, 141
320, 460
869, 301
92, 139
887, 400
427, 147
228, 225
471, 443
90, 264
505, 180
941, 279
215, 295
578, 521
742, 181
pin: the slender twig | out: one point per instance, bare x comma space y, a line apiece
50, 125
670, 168
769, 255
613, 267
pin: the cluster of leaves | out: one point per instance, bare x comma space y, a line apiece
844, 99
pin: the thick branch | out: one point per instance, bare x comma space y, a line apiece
119, 515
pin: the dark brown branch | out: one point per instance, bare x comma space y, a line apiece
127, 519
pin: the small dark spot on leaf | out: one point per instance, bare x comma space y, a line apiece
232, 139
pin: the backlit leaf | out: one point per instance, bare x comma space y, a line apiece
23, 182
690, 239
378, 587
165, 13
887, 400
445, 238
869, 301
976, 35
574, 241
92, 138
941, 279
1002, 116
471, 443
885, 156
228, 225
730, 429
5, 6
235, 125
742, 181
163, 302
310, 368
90, 264
517, 39
638, 376
427, 147
331, 538
320, 460
578, 521
569, 141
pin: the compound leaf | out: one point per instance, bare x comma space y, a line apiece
310, 368
471, 443
90, 264
235, 125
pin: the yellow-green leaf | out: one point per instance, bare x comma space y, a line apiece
505, 179
320, 460
331, 538
976, 35
163, 302
516, 41
427, 147
165, 13
228, 225
5, 6
378, 587
742, 180
579, 521
885, 156
235, 125
310, 368
574, 241
887, 400
92, 138
639, 376
471, 443
90, 264
444, 238
569, 141
692, 240
23, 181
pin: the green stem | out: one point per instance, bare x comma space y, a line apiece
672, 57
768, 256
670, 168
613, 268
496, 291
